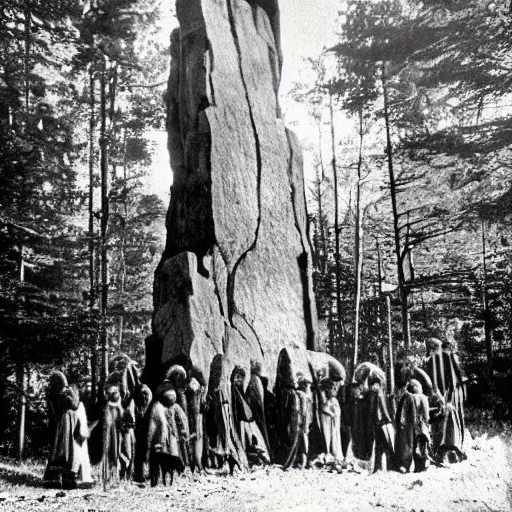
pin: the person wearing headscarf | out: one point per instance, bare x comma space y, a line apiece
177, 376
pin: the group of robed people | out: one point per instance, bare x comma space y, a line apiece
310, 417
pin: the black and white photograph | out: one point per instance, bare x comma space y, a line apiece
255, 255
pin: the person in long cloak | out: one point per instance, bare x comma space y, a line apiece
84, 472
448, 422
64, 463
166, 424
330, 418
143, 402
250, 436
177, 376
412, 429
301, 420
255, 398
380, 432
196, 405
111, 435
364, 406
344, 399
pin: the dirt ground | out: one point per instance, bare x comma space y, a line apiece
481, 483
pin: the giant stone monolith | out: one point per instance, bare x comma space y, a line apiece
235, 277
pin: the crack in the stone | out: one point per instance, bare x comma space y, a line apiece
292, 188
216, 285
303, 258
232, 274
251, 328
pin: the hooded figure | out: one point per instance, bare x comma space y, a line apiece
196, 403
370, 412
448, 383
301, 420
250, 436
111, 420
81, 436
177, 376
255, 398
223, 440
142, 410
64, 461
167, 425
412, 429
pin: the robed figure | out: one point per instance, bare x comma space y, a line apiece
412, 429
448, 384
68, 460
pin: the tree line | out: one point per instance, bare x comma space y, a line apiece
81, 87
410, 205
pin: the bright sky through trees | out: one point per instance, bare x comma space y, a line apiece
307, 27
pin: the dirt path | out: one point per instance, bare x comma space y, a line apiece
481, 483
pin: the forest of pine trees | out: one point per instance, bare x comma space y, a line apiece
81, 89
410, 201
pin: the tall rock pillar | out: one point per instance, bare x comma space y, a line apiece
235, 277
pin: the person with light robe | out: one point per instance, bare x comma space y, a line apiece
330, 418
84, 472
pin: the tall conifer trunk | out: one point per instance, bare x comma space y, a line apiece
339, 322
104, 220
358, 244
396, 229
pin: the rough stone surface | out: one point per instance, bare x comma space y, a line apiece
235, 277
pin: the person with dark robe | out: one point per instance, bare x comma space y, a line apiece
166, 426
196, 404
255, 398
345, 402
412, 441
380, 431
300, 426
223, 445
370, 413
64, 460
448, 383
143, 401
251, 439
